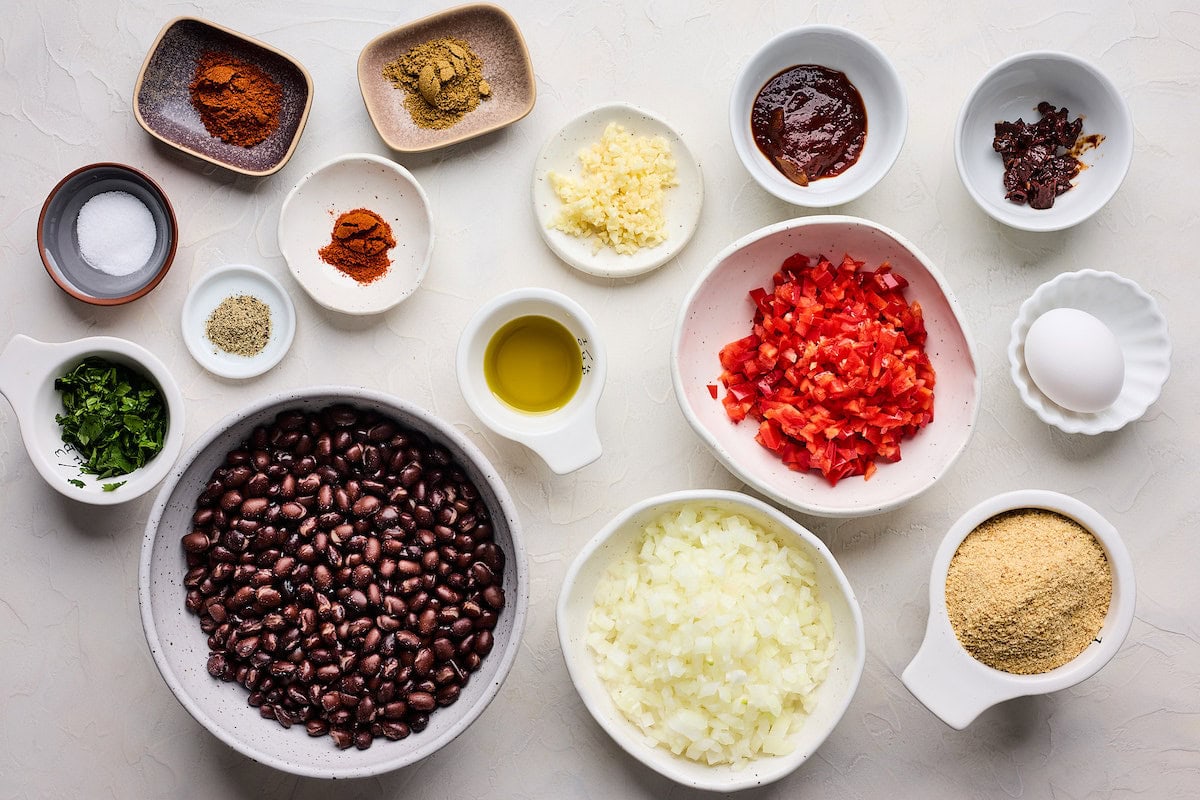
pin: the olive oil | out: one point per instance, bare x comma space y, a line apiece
533, 364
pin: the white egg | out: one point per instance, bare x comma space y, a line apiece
1075, 360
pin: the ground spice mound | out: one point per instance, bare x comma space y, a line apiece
360, 244
240, 325
236, 100
443, 81
1027, 591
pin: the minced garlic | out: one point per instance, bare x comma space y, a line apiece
618, 198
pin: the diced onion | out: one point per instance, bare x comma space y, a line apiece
710, 636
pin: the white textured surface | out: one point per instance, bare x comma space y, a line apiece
83, 714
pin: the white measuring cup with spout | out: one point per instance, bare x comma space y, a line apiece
566, 438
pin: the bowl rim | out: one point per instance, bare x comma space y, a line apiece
522, 49
141, 76
192, 338
960, 673
1052, 291
795, 194
714, 445
793, 528
173, 231
404, 174
333, 393
1053, 221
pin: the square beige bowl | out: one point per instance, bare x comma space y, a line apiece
163, 105
495, 38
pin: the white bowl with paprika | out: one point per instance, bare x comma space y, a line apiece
357, 233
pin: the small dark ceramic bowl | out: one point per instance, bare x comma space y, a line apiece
58, 243
163, 105
495, 38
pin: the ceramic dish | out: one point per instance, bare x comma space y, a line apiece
493, 36
865, 66
163, 106
58, 243
566, 439
357, 180
955, 686
832, 697
1132, 316
28, 369
718, 310
561, 154
180, 648
1012, 89
230, 281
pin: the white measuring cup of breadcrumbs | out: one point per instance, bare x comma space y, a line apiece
958, 688
566, 438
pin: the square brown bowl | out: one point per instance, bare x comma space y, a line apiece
495, 38
163, 106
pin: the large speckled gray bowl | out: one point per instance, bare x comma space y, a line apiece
163, 106
180, 648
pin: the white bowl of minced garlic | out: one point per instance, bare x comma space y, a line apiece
1031, 592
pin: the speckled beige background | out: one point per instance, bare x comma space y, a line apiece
84, 714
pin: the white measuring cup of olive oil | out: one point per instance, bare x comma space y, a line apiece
28, 369
956, 687
531, 366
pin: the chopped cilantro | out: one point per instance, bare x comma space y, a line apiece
114, 416
77, 482
111, 487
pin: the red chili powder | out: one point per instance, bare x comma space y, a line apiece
360, 244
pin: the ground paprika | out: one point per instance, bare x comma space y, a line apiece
359, 246
237, 101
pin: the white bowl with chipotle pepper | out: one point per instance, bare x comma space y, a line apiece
958, 686
313, 617
1014, 89
848, 87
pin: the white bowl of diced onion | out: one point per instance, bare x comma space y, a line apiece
647, 625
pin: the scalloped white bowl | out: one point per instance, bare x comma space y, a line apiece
1132, 316
718, 310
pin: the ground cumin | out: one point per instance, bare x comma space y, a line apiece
1028, 590
443, 81
359, 245
236, 100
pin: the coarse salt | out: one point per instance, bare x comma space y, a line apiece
116, 233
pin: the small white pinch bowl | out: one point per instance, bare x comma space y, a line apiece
566, 439
953, 684
833, 696
229, 281
1013, 88
180, 648
1140, 329
718, 310
865, 66
681, 204
357, 180
28, 369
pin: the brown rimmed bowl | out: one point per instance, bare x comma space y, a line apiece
163, 106
58, 244
495, 38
